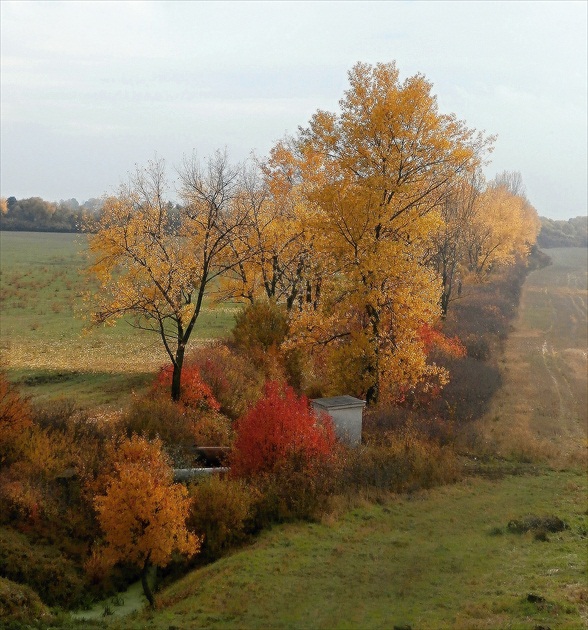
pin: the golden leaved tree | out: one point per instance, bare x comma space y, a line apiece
143, 513
502, 228
449, 244
374, 178
274, 248
157, 263
485, 226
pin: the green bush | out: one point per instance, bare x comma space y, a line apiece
212, 429
232, 377
179, 427
260, 325
296, 489
157, 416
20, 603
50, 574
399, 462
259, 332
222, 511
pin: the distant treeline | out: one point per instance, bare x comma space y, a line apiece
571, 233
37, 215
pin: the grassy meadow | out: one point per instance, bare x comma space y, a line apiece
452, 557
46, 343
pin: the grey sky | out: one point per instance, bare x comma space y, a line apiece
89, 89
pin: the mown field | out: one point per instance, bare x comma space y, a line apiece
541, 409
46, 343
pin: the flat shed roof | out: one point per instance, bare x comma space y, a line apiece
338, 402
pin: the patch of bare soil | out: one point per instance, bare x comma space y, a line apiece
541, 409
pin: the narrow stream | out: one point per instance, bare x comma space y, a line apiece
118, 605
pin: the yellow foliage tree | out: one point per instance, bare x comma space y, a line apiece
374, 178
143, 513
449, 244
157, 263
274, 248
503, 227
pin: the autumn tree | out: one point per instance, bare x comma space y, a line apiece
449, 243
274, 248
375, 177
157, 262
503, 227
485, 226
142, 512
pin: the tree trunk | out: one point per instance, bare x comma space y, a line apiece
176, 387
372, 394
145, 583
445, 297
373, 369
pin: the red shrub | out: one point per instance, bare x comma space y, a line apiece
434, 339
279, 425
194, 393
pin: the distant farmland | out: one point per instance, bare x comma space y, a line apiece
45, 342
542, 406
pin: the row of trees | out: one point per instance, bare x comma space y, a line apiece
571, 233
37, 215
363, 228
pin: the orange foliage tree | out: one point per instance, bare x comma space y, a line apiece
277, 426
15, 417
143, 513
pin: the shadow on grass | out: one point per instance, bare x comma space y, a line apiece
85, 389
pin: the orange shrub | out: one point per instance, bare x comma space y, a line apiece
279, 425
194, 391
434, 339
15, 418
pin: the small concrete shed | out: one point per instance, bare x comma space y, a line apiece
347, 414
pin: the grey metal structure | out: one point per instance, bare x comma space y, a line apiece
347, 414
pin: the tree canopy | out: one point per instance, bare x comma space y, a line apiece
362, 226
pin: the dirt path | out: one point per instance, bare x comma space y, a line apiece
542, 406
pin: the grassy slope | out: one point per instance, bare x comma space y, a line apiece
43, 341
434, 560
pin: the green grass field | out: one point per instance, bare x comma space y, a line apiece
45, 342
433, 560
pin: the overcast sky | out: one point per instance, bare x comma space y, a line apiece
89, 89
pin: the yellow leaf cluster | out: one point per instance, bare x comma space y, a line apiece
143, 514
